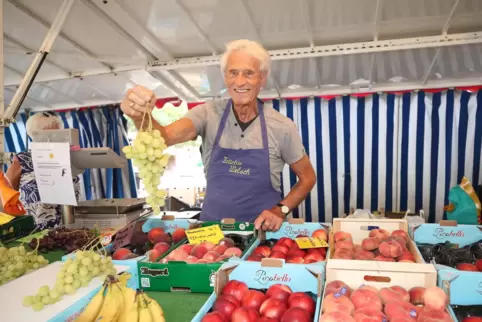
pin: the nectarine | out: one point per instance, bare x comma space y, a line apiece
244, 314
365, 298
416, 295
296, 314
120, 253
236, 289
214, 317
273, 308
342, 235
320, 234
178, 235
280, 292
154, 233
336, 316
302, 300
435, 298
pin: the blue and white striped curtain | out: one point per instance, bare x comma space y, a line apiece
395, 152
98, 127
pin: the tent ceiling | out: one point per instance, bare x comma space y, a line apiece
106, 45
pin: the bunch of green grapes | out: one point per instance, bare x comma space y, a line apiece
75, 272
16, 261
147, 153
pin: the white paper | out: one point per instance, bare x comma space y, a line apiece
52, 169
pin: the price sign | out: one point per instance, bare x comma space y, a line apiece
311, 242
123, 236
212, 234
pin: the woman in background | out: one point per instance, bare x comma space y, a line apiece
22, 177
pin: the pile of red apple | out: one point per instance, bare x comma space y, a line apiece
392, 304
287, 249
237, 303
477, 267
379, 246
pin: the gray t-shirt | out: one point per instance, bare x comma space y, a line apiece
284, 141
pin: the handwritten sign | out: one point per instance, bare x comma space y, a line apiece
310, 242
123, 236
212, 234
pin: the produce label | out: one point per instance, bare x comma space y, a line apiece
310, 242
123, 236
212, 234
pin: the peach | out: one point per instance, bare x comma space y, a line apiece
466, 267
295, 260
153, 255
320, 234
120, 253
369, 288
363, 298
180, 255
233, 251
368, 314
399, 240
342, 256
297, 253
400, 233
344, 244
220, 249
211, 255
390, 249
357, 249
428, 315
202, 261
154, 233
332, 299
394, 293
178, 235
191, 259
162, 247
315, 257
162, 238
208, 245
187, 247
262, 250
370, 243
337, 287
199, 251
365, 255
228, 242
381, 258
396, 309
288, 242
336, 316
402, 319
341, 235
381, 234
416, 295
223, 258
406, 257
321, 251
280, 248
435, 298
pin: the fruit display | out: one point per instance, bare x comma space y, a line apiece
391, 304
76, 272
379, 246
17, 261
147, 153
63, 238
116, 302
468, 258
205, 252
287, 249
238, 303
471, 313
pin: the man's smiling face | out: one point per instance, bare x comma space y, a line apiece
243, 77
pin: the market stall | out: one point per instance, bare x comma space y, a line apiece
387, 99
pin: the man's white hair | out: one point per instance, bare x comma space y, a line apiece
43, 121
251, 48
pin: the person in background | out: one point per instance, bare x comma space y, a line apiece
22, 177
246, 143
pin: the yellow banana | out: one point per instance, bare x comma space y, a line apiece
156, 311
113, 304
144, 312
132, 315
93, 308
124, 277
129, 300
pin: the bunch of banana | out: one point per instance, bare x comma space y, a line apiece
116, 302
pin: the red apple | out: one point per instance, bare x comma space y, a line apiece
244, 314
120, 253
224, 307
277, 255
286, 241
214, 317
273, 309
296, 314
253, 299
236, 289
262, 250
303, 301
280, 248
280, 292
466, 267
320, 234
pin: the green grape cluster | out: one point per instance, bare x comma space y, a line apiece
76, 272
16, 261
147, 153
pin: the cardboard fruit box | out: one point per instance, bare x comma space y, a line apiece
360, 229
192, 277
377, 275
463, 286
261, 276
267, 243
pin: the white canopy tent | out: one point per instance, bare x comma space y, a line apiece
172, 46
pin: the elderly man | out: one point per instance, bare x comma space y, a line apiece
246, 143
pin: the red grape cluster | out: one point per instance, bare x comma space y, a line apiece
64, 238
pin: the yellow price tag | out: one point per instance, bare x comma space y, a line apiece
212, 234
310, 242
